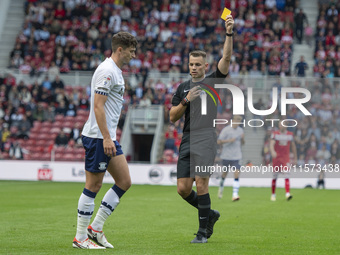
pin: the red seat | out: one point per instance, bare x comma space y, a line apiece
58, 124
82, 112
46, 124
43, 136
58, 156
67, 157
37, 123
59, 117
55, 130
36, 156
46, 156
42, 143
69, 118
68, 124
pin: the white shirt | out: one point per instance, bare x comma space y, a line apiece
107, 80
231, 151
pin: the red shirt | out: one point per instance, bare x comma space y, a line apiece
282, 146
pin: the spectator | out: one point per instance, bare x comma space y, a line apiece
47, 84
39, 113
300, 18
145, 101
15, 151
76, 133
53, 70
61, 109
57, 83
300, 67
61, 139
170, 143
71, 109
323, 155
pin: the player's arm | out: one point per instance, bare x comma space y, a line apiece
99, 112
224, 138
176, 112
293, 148
231, 140
223, 64
272, 149
242, 139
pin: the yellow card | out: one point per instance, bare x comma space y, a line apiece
225, 13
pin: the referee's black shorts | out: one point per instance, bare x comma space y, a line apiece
197, 153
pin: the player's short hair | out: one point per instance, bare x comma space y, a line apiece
124, 40
198, 53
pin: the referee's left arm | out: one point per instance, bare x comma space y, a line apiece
224, 63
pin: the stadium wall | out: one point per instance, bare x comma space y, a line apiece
3, 14
140, 174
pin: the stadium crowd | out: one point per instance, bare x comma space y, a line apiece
317, 137
327, 41
76, 35
63, 36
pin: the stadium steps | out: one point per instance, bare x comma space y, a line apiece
11, 28
311, 10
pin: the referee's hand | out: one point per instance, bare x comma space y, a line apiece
229, 24
193, 93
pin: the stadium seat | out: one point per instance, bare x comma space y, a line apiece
46, 156
59, 117
81, 112
69, 118
55, 130
67, 157
58, 156
44, 136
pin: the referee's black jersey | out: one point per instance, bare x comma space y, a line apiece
193, 110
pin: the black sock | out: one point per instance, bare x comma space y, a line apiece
203, 212
192, 199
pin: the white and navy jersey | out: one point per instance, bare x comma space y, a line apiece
231, 151
107, 80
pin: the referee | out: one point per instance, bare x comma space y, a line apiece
198, 146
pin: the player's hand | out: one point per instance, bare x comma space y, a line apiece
232, 140
193, 93
229, 24
109, 147
274, 154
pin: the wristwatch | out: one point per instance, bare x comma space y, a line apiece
231, 34
185, 101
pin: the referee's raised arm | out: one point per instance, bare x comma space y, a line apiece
223, 64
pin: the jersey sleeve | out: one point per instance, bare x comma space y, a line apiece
104, 82
217, 74
176, 98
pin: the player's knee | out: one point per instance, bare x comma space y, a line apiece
94, 187
125, 184
183, 191
202, 188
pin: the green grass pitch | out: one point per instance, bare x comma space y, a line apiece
40, 218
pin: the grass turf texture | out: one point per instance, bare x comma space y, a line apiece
40, 218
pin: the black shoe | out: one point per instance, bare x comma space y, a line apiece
200, 238
215, 215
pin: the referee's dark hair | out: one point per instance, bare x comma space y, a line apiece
198, 53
